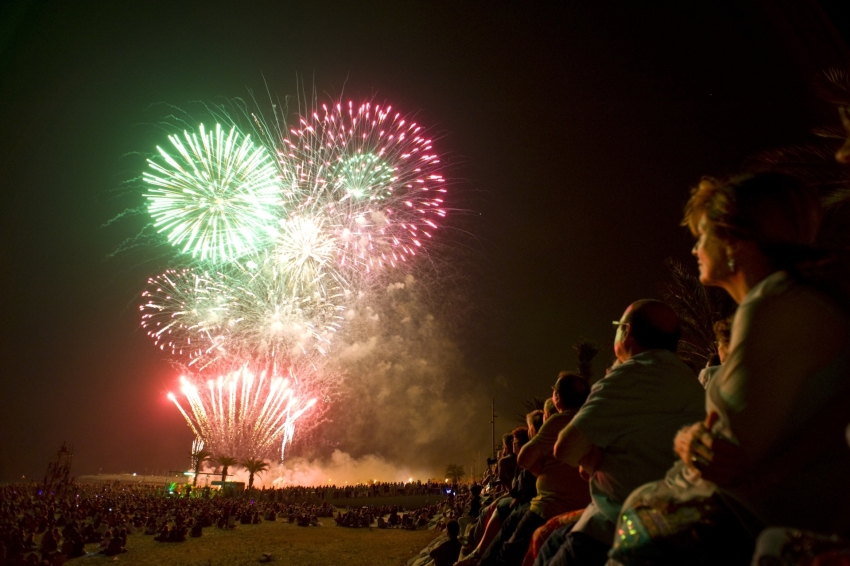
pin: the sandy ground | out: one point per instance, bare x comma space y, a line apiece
327, 545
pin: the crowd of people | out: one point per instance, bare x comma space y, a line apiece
50, 525
746, 463
356, 491
386, 517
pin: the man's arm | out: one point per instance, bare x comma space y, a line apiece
531, 456
572, 445
534, 453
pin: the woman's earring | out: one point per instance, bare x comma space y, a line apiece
731, 264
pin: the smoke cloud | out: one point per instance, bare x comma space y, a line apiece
339, 469
407, 401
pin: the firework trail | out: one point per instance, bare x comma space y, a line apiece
242, 413
217, 196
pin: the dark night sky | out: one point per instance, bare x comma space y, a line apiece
575, 129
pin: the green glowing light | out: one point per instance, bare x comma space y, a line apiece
217, 197
365, 175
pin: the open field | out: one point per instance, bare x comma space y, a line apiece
327, 545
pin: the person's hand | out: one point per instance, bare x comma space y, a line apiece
692, 444
715, 458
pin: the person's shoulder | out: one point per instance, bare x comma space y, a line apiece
779, 297
559, 420
622, 373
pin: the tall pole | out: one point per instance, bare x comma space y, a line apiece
493, 425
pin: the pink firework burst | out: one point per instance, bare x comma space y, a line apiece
373, 175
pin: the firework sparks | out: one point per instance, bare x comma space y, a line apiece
275, 323
236, 314
282, 236
186, 312
217, 197
373, 175
242, 413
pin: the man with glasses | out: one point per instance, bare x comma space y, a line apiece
623, 434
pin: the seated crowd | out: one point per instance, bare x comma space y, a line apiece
747, 463
386, 517
50, 526
355, 491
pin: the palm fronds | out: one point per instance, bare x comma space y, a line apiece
698, 308
586, 351
822, 162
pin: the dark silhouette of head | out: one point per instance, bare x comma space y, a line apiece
647, 325
453, 529
570, 391
520, 435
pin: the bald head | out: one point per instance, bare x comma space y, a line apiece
652, 325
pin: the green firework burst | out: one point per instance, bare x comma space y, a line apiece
217, 196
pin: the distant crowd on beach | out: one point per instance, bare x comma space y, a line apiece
373, 489
50, 525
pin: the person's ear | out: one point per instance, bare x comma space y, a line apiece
625, 332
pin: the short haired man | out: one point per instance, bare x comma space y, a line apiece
559, 486
622, 436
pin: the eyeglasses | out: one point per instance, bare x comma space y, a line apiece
618, 323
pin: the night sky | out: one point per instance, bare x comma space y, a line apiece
572, 132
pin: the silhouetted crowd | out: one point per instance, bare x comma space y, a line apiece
356, 491
385, 517
747, 463
44, 526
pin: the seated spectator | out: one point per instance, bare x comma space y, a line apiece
447, 552
523, 489
506, 468
163, 534
722, 335
621, 436
475, 501
114, 547
178, 533
772, 443
197, 530
559, 486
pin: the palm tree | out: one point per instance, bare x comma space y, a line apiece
199, 456
455, 473
254, 466
822, 161
586, 351
225, 462
698, 308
